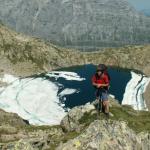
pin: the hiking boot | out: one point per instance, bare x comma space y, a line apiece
107, 115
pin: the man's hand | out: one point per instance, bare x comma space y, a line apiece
102, 85
99, 85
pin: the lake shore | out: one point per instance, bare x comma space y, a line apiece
147, 96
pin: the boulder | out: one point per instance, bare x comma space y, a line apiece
71, 121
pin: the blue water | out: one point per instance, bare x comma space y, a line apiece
119, 80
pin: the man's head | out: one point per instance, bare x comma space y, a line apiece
101, 68
99, 71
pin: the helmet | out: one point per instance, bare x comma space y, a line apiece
101, 67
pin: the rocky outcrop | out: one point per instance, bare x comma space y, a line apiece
85, 130
9, 126
11, 119
102, 135
83, 24
16, 133
77, 115
71, 121
14, 128
19, 145
32, 138
96, 132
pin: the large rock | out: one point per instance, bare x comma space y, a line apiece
103, 135
29, 138
11, 119
71, 121
74, 118
19, 145
86, 23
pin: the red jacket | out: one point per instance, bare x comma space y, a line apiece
104, 79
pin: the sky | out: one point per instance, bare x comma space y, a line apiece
140, 4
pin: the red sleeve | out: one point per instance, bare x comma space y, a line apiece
106, 79
93, 79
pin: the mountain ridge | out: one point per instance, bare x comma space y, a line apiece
82, 24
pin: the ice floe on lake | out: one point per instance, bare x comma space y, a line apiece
66, 75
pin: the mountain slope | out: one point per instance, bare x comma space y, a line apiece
22, 55
84, 24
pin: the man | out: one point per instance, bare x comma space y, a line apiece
101, 82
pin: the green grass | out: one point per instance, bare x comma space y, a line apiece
32, 128
64, 138
138, 121
88, 118
69, 135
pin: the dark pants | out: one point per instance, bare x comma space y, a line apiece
102, 94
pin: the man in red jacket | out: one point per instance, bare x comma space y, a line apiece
101, 82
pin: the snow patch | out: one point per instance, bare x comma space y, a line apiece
134, 91
36, 99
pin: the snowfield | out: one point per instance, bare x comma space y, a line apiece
36, 99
